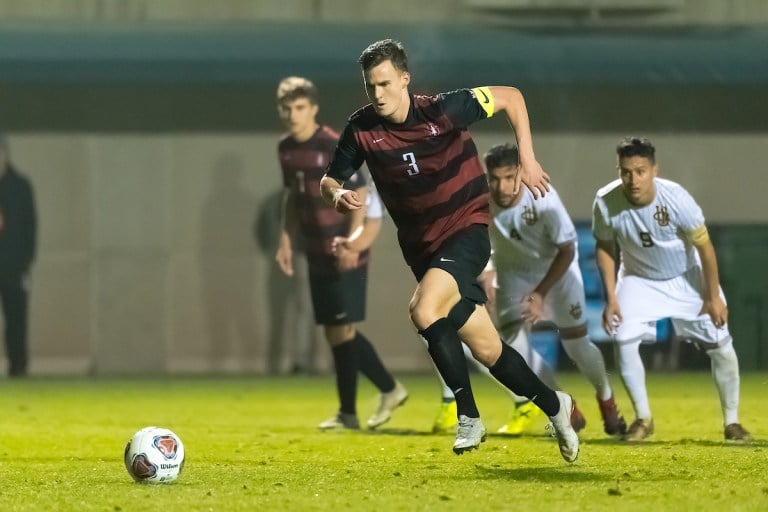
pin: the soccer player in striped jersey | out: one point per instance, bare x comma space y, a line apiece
667, 269
427, 171
337, 283
533, 275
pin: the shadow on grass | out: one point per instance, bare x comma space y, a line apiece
606, 441
546, 474
398, 432
757, 443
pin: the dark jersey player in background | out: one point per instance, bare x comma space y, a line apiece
428, 173
337, 284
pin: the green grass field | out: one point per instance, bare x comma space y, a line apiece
252, 445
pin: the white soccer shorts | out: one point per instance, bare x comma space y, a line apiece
564, 305
645, 301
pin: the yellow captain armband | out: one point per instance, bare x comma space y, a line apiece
485, 99
698, 236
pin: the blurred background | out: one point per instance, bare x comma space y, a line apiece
149, 130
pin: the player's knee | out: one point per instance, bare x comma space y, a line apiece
722, 350
487, 352
337, 334
422, 313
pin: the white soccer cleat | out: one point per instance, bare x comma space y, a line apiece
469, 434
341, 421
567, 439
387, 404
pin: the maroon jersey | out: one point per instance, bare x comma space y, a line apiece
303, 165
426, 170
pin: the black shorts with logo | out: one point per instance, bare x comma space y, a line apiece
464, 256
339, 299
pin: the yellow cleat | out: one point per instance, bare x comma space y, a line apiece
446, 419
521, 419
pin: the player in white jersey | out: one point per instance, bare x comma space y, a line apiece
667, 268
534, 276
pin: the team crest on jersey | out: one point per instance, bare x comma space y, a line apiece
575, 311
530, 216
661, 216
434, 131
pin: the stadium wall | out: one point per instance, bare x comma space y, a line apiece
147, 260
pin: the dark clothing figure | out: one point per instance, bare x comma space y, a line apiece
18, 228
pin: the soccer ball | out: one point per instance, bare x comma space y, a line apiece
154, 455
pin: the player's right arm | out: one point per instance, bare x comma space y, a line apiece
606, 251
284, 256
347, 158
342, 199
606, 264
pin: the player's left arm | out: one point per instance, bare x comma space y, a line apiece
512, 102
713, 305
362, 238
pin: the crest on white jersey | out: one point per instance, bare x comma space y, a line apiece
530, 216
661, 216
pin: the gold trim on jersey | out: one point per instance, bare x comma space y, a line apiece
485, 99
699, 236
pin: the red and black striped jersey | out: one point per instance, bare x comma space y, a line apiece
426, 169
303, 165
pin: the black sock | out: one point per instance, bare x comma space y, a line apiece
445, 348
345, 363
371, 366
513, 372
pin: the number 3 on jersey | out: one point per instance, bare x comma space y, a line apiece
413, 169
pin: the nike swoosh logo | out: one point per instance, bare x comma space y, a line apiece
446, 259
376, 141
484, 96
340, 316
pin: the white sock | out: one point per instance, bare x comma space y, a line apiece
725, 370
633, 375
589, 360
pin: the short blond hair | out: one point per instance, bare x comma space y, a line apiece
294, 87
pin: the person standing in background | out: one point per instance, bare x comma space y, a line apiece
291, 324
18, 236
337, 281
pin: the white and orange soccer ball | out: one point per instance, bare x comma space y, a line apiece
154, 455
